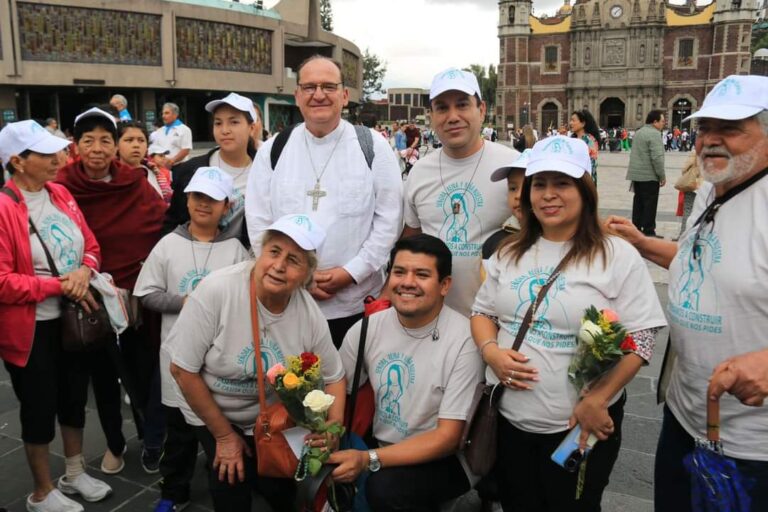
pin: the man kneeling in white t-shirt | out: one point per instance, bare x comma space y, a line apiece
423, 367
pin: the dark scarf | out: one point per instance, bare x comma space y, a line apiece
125, 214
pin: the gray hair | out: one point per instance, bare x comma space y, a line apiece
49, 120
122, 99
174, 107
311, 255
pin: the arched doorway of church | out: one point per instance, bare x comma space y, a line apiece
611, 113
680, 110
549, 116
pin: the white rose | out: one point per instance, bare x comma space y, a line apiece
318, 402
589, 330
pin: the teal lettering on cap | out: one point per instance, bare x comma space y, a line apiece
303, 220
725, 86
558, 146
36, 128
212, 174
451, 74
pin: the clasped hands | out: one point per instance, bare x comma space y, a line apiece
329, 282
75, 286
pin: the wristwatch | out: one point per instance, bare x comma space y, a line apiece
374, 464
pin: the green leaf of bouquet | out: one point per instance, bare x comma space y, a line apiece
314, 466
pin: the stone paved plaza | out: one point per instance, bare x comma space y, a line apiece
631, 487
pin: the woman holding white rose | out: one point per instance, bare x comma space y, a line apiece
212, 357
539, 404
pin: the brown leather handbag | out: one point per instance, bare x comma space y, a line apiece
274, 457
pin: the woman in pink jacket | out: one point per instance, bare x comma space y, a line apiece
30, 307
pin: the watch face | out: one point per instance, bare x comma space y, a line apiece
616, 11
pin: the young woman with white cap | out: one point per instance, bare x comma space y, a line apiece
560, 229
235, 121
213, 360
30, 294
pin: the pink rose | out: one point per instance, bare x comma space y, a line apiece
610, 315
273, 372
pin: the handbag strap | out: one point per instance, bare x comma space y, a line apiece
358, 371
51, 265
257, 344
532, 308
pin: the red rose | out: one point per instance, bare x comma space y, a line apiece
628, 345
308, 359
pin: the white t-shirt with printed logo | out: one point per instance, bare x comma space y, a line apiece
623, 285
232, 222
718, 310
212, 337
171, 268
430, 195
63, 239
415, 381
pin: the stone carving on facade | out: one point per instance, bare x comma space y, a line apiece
511, 15
614, 52
587, 56
641, 54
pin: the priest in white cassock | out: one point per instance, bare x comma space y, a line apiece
343, 179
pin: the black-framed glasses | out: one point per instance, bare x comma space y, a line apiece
327, 88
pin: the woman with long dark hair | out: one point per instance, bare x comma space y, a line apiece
560, 228
584, 127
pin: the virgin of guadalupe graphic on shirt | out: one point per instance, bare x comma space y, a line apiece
395, 374
57, 231
541, 333
191, 279
460, 202
698, 256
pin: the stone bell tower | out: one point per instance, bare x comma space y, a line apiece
513, 90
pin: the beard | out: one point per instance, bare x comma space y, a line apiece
738, 166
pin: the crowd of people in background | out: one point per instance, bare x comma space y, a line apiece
483, 258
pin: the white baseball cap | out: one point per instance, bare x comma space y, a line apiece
521, 162
157, 149
734, 98
308, 234
212, 182
453, 79
96, 112
560, 154
21, 136
235, 101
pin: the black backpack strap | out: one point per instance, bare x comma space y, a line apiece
364, 138
358, 371
10, 193
281, 139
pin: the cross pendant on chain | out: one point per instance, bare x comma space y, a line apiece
316, 193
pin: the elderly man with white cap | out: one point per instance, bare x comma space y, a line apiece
234, 122
526, 324
449, 194
717, 296
214, 363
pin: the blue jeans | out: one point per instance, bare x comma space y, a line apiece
672, 487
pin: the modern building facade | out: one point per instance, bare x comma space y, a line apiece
58, 56
407, 103
619, 59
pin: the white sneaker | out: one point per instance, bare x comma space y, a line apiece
86, 486
54, 502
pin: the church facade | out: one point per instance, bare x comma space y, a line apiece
619, 59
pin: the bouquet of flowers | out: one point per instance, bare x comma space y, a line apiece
300, 388
602, 343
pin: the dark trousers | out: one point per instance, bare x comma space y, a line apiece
529, 481
672, 481
40, 386
97, 367
179, 457
139, 353
644, 206
279, 492
419, 488
340, 326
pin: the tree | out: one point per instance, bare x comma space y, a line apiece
326, 15
374, 70
487, 83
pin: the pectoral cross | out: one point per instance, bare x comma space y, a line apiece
316, 193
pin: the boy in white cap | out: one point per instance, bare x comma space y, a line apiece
717, 288
172, 271
234, 121
449, 193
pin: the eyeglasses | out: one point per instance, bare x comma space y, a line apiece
327, 88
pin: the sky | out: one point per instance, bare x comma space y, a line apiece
419, 38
